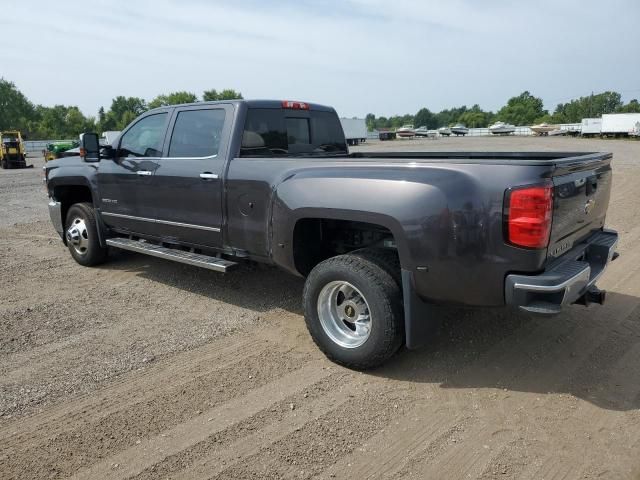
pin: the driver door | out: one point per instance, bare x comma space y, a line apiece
125, 183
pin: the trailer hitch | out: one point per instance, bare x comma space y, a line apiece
593, 295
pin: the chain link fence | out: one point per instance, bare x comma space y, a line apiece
38, 146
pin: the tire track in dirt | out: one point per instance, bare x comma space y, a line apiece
150, 451
136, 387
76, 436
619, 380
323, 440
257, 432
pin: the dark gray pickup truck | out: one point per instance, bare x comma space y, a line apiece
383, 239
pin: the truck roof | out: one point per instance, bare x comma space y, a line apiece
257, 103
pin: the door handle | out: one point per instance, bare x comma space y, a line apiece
208, 176
144, 172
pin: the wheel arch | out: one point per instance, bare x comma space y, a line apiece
288, 235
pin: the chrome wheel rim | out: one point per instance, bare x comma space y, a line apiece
344, 314
78, 236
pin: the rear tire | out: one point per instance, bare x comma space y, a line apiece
353, 311
81, 232
387, 258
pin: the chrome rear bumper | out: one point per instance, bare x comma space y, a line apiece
567, 280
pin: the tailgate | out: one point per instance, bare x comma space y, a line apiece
582, 187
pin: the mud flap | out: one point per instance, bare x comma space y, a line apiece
421, 320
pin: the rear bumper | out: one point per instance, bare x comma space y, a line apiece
568, 279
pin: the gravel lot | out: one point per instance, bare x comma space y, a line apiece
147, 369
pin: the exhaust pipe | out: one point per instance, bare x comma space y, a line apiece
593, 295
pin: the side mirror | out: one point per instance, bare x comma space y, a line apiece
90, 147
108, 152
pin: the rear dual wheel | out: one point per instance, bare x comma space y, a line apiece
353, 310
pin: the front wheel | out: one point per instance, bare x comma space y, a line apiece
81, 233
353, 311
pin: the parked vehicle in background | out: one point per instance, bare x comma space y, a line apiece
355, 130
406, 131
381, 238
543, 128
444, 131
386, 135
56, 149
591, 127
501, 128
459, 129
619, 124
425, 132
12, 152
109, 137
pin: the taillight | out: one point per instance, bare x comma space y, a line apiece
529, 211
295, 105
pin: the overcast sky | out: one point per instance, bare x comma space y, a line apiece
381, 56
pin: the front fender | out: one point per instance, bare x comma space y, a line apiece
71, 171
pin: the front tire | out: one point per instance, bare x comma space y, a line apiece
353, 311
81, 233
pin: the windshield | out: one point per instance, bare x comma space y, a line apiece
283, 132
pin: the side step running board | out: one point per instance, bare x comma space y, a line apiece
199, 260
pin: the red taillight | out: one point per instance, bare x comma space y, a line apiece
295, 105
529, 213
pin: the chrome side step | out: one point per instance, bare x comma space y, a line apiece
196, 259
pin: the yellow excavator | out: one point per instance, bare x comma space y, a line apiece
12, 153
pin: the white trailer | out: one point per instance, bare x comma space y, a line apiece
591, 127
109, 136
619, 124
355, 130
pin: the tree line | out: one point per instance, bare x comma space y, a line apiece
38, 122
62, 121
524, 109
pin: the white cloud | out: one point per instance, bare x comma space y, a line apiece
360, 56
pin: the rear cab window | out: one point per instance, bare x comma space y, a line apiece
278, 132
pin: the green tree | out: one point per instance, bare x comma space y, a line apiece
587, 107
370, 120
16, 111
123, 110
475, 117
102, 116
632, 107
210, 95
173, 98
229, 94
425, 118
226, 94
524, 109
60, 121
450, 116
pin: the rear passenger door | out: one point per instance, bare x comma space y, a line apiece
188, 181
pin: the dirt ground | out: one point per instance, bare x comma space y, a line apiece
146, 369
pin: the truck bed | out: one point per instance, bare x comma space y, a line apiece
494, 158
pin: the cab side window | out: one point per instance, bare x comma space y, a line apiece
144, 139
197, 133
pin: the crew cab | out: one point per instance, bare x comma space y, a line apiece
383, 239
